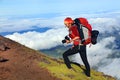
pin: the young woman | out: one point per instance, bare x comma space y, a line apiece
77, 46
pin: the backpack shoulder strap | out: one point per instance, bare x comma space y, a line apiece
79, 27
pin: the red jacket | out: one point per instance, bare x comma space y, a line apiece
73, 32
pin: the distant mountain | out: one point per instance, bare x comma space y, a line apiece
56, 52
18, 62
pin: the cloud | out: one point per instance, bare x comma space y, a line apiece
100, 51
55, 24
14, 25
103, 24
36, 40
112, 68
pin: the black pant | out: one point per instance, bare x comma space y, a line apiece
74, 50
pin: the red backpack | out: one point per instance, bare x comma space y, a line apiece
84, 29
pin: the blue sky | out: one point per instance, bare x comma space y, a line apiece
47, 8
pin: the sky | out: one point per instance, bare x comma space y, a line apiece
61, 7
38, 24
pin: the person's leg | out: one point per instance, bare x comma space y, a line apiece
67, 53
84, 59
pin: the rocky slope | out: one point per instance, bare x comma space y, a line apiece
21, 63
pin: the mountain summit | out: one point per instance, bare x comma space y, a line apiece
18, 62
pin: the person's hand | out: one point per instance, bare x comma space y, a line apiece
67, 41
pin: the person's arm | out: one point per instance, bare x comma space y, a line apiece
76, 38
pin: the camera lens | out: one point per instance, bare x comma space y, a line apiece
63, 41
67, 38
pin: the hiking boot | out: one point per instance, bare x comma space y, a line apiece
87, 73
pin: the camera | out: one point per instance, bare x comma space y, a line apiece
66, 38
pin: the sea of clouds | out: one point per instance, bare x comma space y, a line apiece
98, 55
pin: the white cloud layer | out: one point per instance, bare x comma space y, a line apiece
36, 40
102, 23
13, 25
105, 24
112, 68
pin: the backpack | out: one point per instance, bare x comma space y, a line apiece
86, 33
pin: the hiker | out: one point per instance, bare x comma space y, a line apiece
78, 46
